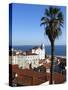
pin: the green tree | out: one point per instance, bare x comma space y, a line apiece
52, 20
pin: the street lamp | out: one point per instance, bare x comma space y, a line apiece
15, 79
16, 75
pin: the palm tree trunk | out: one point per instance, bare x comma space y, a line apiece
52, 59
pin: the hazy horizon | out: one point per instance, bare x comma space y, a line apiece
36, 45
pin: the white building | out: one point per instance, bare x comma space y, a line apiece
40, 51
26, 59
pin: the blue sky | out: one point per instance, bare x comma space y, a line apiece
26, 29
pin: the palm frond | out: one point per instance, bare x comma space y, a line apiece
56, 10
60, 16
43, 23
53, 21
47, 13
58, 32
43, 18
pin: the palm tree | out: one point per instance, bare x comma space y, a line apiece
52, 20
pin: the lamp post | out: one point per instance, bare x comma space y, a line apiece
15, 79
16, 75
